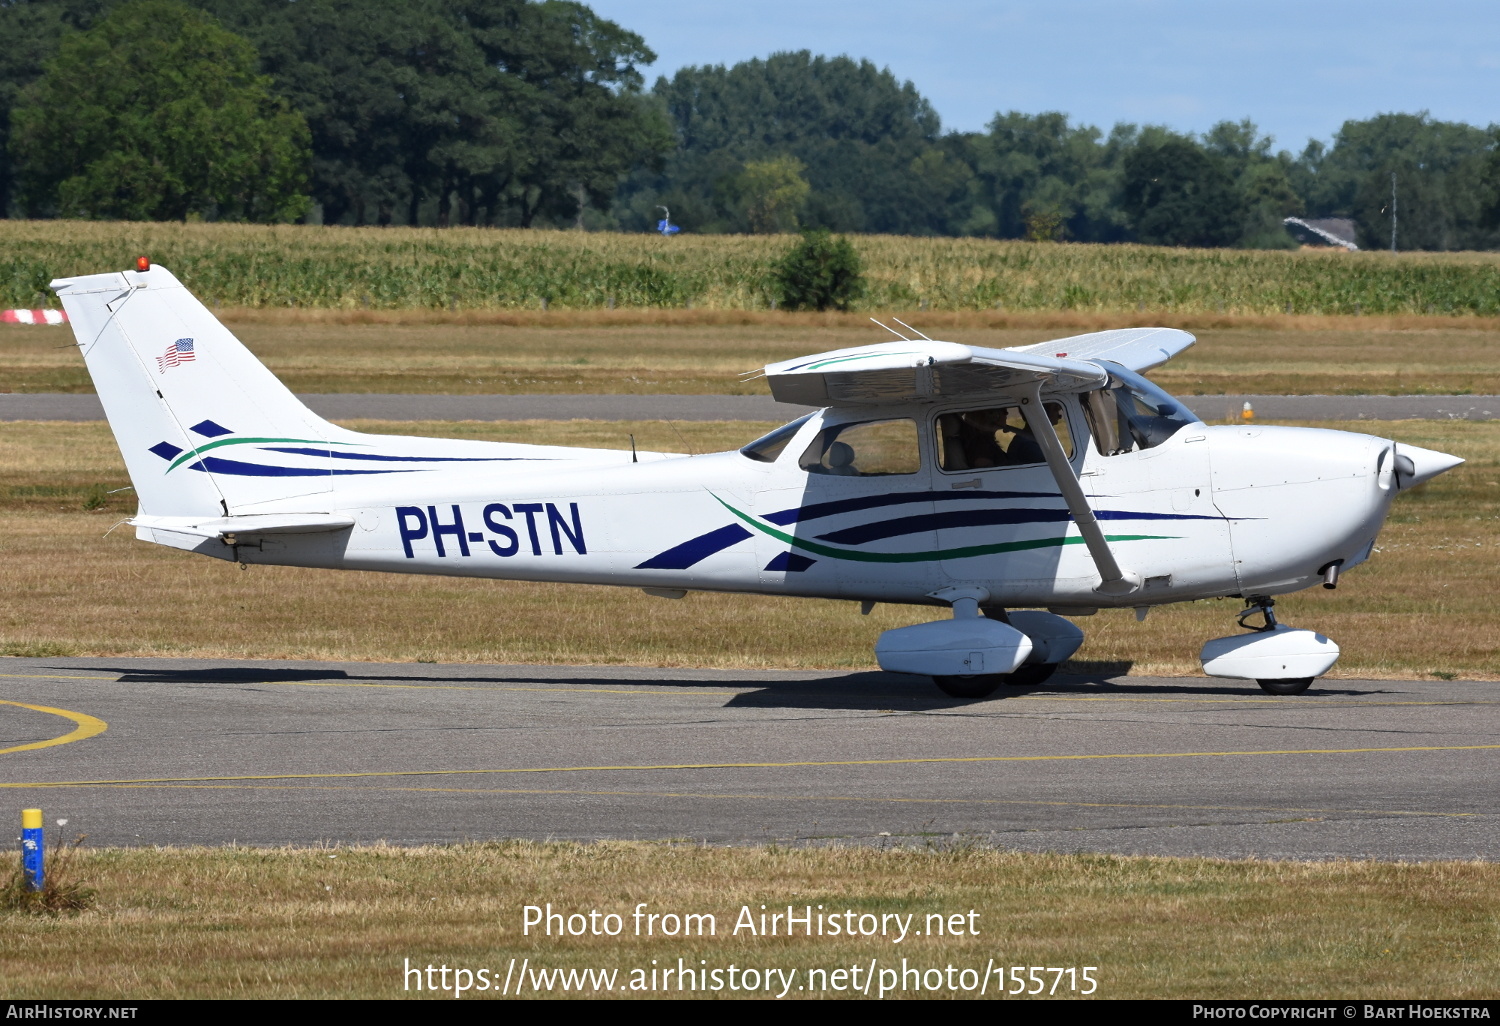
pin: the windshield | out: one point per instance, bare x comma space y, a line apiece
767, 448
1132, 413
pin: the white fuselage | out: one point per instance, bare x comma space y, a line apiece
1212, 511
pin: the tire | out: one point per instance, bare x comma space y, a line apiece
979, 685
1030, 675
1288, 686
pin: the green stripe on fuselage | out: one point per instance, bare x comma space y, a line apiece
962, 552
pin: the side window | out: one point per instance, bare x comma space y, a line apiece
768, 447
997, 437
1130, 414
873, 448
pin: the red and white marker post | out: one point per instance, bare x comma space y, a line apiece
33, 317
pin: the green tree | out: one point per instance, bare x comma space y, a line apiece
1262, 179
821, 271
459, 111
1440, 168
30, 30
1269, 199
1175, 194
869, 144
1038, 164
157, 113
771, 194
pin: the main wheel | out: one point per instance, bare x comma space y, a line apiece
1288, 686
1030, 674
976, 685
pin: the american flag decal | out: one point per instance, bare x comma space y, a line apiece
180, 351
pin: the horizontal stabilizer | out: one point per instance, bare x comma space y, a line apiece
251, 526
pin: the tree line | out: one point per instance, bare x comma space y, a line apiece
527, 113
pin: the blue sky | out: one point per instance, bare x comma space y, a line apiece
1297, 69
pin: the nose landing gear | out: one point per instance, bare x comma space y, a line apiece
1281, 659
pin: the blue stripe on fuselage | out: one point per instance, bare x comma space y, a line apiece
404, 459
818, 510
216, 465
951, 519
680, 557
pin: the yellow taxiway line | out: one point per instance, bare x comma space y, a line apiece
87, 726
370, 774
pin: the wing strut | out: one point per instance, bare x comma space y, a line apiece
1113, 580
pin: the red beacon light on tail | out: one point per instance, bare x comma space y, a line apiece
143, 263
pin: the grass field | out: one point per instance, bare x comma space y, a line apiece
341, 922
710, 358
485, 269
1422, 607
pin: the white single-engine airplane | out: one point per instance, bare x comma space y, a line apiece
987, 480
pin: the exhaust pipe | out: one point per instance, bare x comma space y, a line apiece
1330, 572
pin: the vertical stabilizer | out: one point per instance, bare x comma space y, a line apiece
186, 399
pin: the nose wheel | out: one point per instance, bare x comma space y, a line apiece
1264, 607
1285, 685
1281, 659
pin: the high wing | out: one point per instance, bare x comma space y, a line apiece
928, 371
1137, 349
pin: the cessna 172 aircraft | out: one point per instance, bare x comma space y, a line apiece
997, 482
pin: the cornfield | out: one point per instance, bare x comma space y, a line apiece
248, 266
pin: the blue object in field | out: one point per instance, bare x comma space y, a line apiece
32, 848
667, 227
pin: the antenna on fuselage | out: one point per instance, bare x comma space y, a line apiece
892, 330
908, 327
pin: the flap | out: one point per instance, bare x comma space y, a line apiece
248, 526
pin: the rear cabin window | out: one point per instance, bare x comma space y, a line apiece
1130, 414
872, 448
996, 437
768, 447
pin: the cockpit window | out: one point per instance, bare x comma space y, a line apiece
996, 437
1131, 413
767, 448
872, 448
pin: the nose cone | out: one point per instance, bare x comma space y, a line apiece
1415, 465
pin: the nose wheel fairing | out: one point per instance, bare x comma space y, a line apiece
1281, 659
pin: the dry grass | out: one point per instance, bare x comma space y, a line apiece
1421, 607
474, 358
339, 922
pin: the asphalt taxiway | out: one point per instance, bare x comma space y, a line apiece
182, 751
